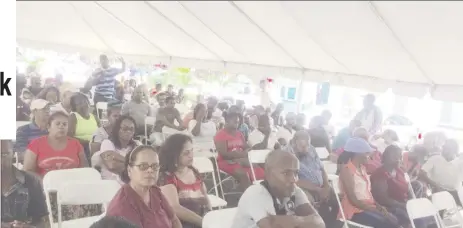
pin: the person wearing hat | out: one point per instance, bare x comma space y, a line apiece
357, 202
40, 110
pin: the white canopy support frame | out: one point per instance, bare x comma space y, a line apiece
411, 47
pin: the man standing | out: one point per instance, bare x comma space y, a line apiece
370, 116
104, 79
137, 109
277, 201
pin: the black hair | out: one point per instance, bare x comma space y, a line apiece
114, 137
113, 222
343, 159
74, 98
170, 98
389, 151
231, 115
223, 106
113, 106
170, 152
196, 109
130, 158
48, 89
56, 115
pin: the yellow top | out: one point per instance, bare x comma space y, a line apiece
85, 128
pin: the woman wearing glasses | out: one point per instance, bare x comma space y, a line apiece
140, 201
112, 152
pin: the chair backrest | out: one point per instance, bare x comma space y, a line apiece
258, 156
102, 105
149, 120
443, 201
78, 192
53, 179
330, 167
219, 218
421, 208
322, 152
203, 165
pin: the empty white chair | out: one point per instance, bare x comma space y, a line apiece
204, 165
334, 180
445, 201
79, 193
322, 153
104, 107
257, 157
422, 208
53, 179
222, 218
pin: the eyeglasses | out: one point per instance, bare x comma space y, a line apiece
127, 129
144, 166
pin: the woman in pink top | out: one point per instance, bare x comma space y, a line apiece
232, 148
357, 201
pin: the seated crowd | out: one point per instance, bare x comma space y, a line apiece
160, 187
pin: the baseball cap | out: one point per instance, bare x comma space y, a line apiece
357, 145
38, 104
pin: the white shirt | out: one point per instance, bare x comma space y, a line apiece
256, 203
257, 137
285, 134
448, 174
265, 99
205, 139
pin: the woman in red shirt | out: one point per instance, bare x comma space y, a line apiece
56, 150
182, 183
140, 201
233, 152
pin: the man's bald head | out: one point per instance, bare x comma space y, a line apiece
279, 159
281, 168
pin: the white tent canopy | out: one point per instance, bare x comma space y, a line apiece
411, 47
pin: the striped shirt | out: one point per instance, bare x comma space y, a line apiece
25, 134
105, 85
311, 167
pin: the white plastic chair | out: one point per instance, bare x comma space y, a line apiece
422, 208
53, 179
79, 193
445, 201
322, 153
330, 167
103, 106
204, 165
410, 188
334, 180
222, 218
149, 121
257, 157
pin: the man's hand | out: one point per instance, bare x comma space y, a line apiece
325, 194
285, 221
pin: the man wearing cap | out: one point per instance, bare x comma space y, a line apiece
38, 127
277, 201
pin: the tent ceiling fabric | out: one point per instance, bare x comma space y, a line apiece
407, 46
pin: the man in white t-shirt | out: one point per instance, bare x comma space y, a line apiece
277, 201
370, 116
264, 136
444, 171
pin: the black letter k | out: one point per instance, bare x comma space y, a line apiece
4, 85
